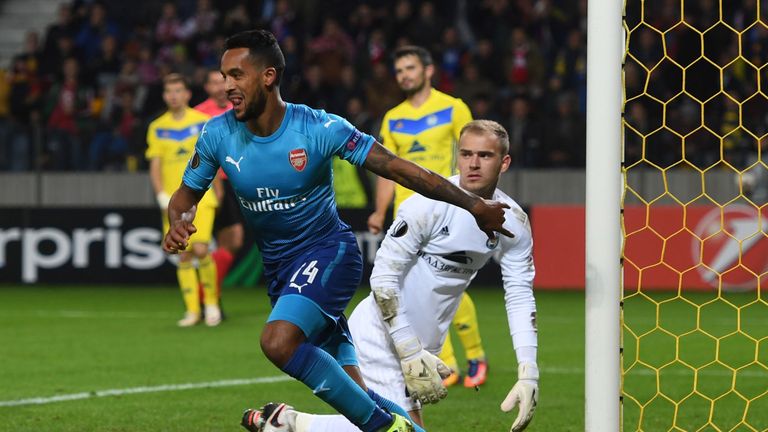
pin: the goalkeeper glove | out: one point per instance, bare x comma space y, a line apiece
525, 394
423, 372
163, 199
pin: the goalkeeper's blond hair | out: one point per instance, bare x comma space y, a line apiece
488, 127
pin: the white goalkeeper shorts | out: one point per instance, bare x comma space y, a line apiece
378, 359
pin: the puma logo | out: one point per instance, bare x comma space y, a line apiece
328, 123
233, 162
298, 287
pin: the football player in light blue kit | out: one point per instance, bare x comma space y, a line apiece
278, 158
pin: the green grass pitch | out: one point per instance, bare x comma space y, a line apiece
115, 358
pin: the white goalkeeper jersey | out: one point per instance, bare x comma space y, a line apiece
432, 252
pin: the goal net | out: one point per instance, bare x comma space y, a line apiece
695, 259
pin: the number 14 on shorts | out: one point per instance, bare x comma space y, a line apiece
307, 269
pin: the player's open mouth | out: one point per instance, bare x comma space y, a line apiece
236, 101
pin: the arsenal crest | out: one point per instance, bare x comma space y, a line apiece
298, 159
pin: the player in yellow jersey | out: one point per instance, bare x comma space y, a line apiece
171, 142
424, 129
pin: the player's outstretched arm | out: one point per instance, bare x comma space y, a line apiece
489, 215
181, 213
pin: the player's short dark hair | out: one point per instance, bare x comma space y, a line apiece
175, 78
262, 47
488, 127
424, 56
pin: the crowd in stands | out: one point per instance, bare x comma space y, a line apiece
80, 97
695, 105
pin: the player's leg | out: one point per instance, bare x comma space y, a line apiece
465, 323
340, 347
285, 344
313, 293
186, 275
448, 357
205, 266
229, 233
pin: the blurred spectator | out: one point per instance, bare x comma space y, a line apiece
471, 84
482, 107
66, 106
331, 50
401, 24
381, 91
311, 90
524, 130
102, 70
25, 95
449, 58
428, 27
202, 23
524, 66
31, 55
377, 48
361, 25
565, 135
284, 20
5, 88
63, 27
110, 145
51, 63
236, 20
98, 26
360, 117
168, 29
487, 58
347, 89
570, 66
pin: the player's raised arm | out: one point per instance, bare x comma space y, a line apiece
489, 215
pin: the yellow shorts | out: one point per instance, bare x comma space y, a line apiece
203, 222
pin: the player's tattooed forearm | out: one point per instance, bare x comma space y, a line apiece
384, 163
379, 160
446, 191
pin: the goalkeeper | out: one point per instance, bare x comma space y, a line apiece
424, 129
429, 256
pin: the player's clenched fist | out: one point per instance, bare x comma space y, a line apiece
177, 238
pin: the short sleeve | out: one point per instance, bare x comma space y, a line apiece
461, 116
344, 140
203, 165
154, 148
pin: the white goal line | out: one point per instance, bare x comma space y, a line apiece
137, 390
276, 379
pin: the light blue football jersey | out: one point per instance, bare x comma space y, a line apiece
284, 182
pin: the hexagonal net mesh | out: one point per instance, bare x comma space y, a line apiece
695, 259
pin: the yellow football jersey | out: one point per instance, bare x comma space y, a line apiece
425, 135
173, 141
